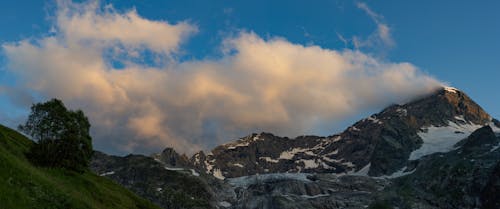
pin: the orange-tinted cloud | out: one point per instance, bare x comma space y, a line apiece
262, 85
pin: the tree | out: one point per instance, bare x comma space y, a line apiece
61, 135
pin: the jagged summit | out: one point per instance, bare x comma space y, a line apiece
445, 104
170, 157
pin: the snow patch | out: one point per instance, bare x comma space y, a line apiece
402, 111
450, 89
238, 165
208, 166
269, 160
328, 159
107, 173
354, 128
442, 139
349, 164
238, 143
174, 169
314, 196
256, 137
334, 152
197, 159
398, 173
336, 139
218, 174
460, 118
362, 172
333, 160
374, 120
242, 142
288, 155
494, 128
156, 157
326, 166
194, 173
225, 204
309, 163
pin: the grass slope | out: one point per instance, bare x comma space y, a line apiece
25, 186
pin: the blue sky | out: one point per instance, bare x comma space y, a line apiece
453, 41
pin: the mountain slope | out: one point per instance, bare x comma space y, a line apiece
164, 186
26, 186
467, 177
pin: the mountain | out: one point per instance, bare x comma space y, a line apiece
26, 186
384, 142
437, 151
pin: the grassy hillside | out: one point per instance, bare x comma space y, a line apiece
25, 186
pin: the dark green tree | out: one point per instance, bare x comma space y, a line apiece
61, 136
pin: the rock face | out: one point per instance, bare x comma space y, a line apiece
385, 141
439, 151
170, 157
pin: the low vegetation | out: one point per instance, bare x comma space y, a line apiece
25, 185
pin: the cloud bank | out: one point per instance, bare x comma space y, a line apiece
257, 85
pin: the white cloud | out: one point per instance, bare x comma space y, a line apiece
87, 22
363, 6
381, 37
262, 85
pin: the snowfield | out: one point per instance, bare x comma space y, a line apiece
442, 139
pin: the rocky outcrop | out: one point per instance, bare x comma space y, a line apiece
170, 157
481, 137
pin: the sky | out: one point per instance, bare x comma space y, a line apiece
195, 74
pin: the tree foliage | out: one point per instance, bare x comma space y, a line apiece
62, 136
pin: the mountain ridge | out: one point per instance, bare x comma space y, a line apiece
385, 140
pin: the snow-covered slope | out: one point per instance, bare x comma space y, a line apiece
442, 138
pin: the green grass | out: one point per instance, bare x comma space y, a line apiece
23, 185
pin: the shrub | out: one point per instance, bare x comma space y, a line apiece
61, 135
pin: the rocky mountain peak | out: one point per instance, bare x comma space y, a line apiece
170, 157
464, 105
438, 109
